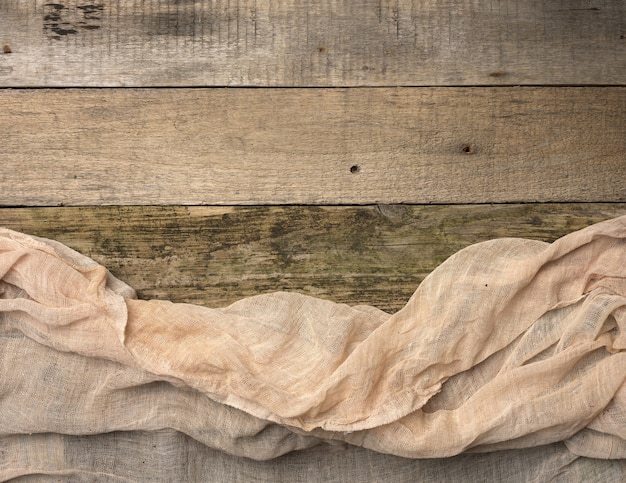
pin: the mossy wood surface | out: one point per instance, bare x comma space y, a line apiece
373, 255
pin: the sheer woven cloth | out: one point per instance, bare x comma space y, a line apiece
509, 344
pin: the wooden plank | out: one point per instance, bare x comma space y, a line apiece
358, 255
312, 146
312, 43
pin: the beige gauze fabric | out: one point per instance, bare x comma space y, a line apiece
510, 343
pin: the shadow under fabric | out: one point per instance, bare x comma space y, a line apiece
511, 355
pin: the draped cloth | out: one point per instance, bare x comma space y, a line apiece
511, 354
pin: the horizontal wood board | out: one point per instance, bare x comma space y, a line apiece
312, 146
373, 255
311, 43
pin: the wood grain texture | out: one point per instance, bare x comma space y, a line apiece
312, 43
312, 146
374, 255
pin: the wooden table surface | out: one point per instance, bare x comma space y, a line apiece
206, 151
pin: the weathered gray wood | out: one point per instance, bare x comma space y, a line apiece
312, 43
215, 255
312, 146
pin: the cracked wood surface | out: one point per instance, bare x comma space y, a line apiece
312, 43
312, 146
483, 140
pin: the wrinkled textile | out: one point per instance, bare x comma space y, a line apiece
169, 456
508, 344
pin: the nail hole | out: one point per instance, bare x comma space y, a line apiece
354, 169
467, 149
6, 48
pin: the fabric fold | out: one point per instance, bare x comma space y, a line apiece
510, 343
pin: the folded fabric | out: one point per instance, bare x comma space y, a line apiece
508, 344
170, 456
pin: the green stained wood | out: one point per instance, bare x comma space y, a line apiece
373, 255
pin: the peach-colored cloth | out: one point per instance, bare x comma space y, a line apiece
510, 343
